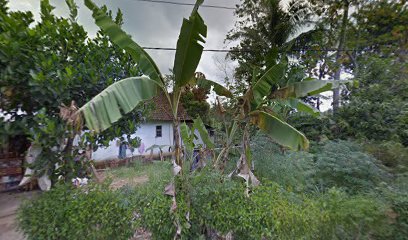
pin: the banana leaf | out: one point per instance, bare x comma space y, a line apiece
188, 138
199, 125
280, 131
301, 106
263, 86
189, 47
119, 98
218, 88
306, 88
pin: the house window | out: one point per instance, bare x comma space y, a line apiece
158, 131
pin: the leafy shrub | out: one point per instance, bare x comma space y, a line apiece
392, 154
400, 207
315, 128
67, 213
218, 206
340, 164
343, 164
352, 217
293, 170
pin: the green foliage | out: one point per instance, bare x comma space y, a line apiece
93, 212
272, 25
52, 62
392, 154
377, 110
149, 201
400, 207
339, 164
112, 29
189, 47
123, 95
54, 159
218, 206
343, 164
281, 132
291, 170
351, 217
314, 128
194, 105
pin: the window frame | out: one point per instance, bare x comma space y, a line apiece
159, 129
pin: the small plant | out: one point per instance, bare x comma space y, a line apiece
92, 212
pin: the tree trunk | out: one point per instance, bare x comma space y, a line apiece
342, 41
177, 148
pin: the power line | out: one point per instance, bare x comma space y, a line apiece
248, 50
186, 4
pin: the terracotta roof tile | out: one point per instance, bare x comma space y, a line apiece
162, 110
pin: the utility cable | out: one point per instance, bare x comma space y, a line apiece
186, 4
248, 50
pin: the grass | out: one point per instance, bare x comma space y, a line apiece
158, 173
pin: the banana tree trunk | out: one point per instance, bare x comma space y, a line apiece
177, 143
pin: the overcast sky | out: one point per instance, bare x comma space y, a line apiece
155, 25
158, 25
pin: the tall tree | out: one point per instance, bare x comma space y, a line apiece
46, 64
377, 110
264, 26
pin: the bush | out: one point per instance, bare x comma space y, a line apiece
67, 213
218, 206
292, 170
352, 217
315, 128
392, 154
342, 164
400, 207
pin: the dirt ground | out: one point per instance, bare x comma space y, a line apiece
9, 203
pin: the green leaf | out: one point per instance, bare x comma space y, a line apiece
218, 88
119, 98
189, 48
188, 138
199, 125
73, 9
231, 132
306, 88
264, 85
280, 131
303, 107
145, 63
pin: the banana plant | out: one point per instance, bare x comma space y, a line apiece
257, 107
189, 135
124, 95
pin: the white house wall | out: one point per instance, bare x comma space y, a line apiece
147, 134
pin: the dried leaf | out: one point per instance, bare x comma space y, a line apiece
170, 190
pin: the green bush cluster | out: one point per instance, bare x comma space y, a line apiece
93, 212
392, 154
343, 164
218, 206
340, 164
292, 170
